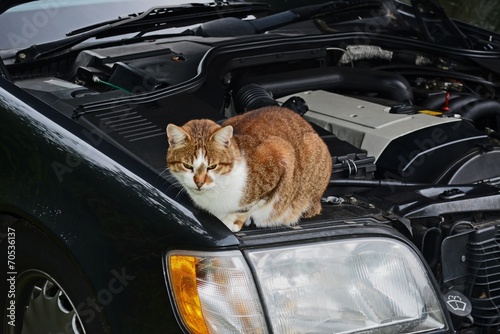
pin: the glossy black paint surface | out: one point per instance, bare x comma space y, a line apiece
108, 219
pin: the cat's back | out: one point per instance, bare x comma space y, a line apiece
288, 164
257, 125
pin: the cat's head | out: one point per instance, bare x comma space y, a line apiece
200, 152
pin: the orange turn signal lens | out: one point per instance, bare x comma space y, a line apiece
183, 277
215, 293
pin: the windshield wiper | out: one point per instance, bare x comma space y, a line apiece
226, 27
155, 18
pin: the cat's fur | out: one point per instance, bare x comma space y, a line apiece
268, 165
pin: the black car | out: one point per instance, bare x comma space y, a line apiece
96, 237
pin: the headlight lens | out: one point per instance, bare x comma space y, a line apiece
364, 285
369, 285
215, 293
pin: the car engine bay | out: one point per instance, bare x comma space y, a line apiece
404, 126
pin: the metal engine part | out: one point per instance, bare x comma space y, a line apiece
366, 125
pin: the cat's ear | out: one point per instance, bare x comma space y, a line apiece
223, 136
176, 136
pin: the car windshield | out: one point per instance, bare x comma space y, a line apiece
49, 20
44, 21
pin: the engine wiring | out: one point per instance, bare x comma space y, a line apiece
96, 79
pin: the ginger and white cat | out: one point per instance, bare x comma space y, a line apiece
268, 165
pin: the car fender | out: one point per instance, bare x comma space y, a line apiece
112, 220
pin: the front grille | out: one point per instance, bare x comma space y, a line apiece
483, 280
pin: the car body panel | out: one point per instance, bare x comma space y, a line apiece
101, 214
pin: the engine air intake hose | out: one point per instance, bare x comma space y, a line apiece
481, 110
252, 96
343, 79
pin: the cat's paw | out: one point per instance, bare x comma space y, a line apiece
236, 227
234, 222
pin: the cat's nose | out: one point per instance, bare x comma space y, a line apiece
199, 180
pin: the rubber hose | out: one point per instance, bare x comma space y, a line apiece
480, 109
388, 85
252, 96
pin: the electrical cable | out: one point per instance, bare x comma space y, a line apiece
97, 80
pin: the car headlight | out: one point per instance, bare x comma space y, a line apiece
215, 293
364, 285
368, 285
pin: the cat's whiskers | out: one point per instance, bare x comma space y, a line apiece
180, 192
178, 186
166, 169
166, 175
173, 182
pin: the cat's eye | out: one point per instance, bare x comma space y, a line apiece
214, 166
187, 166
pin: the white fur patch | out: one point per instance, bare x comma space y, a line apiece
186, 178
199, 161
224, 194
229, 220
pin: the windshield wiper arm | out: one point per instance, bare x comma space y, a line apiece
153, 19
226, 27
